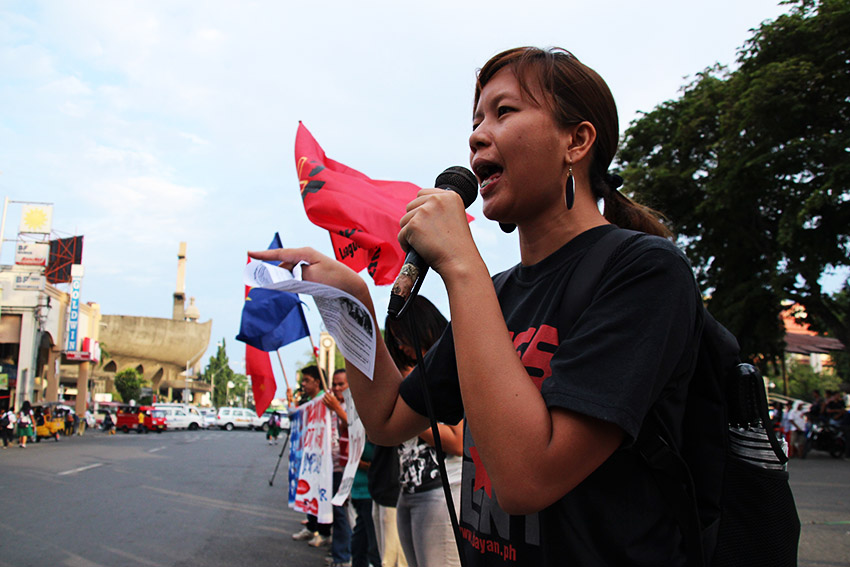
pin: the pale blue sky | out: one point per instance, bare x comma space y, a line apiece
148, 123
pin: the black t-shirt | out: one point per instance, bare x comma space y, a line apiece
383, 476
632, 348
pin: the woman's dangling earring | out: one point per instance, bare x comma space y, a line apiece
571, 189
507, 227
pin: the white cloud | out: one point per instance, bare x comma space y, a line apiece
67, 86
151, 122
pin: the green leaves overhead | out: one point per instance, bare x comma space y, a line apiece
751, 166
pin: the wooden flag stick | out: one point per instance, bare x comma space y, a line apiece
321, 370
285, 379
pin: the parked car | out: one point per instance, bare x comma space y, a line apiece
231, 418
182, 416
153, 419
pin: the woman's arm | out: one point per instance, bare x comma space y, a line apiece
451, 438
549, 452
387, 418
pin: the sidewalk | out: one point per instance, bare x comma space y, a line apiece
821, 487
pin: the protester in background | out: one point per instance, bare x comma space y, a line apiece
550, 412
313, 532
335, 401
364, 542
384, 489
424, 526
25, 424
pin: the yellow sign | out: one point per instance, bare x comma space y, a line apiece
36, 218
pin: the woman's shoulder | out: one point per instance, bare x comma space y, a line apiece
646, 250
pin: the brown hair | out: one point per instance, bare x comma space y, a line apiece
430, 325
576, 93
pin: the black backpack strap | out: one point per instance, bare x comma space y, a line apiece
589, 273
667, 464
675, 483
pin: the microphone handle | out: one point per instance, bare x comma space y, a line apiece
407, 284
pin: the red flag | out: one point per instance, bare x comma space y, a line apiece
258, 366
362, 214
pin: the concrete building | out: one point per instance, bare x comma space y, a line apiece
50, 343
166, 352
34, 320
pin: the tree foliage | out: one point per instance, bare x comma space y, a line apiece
218, 373
802, 380
751, 168
129, 384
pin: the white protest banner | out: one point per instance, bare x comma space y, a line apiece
356, 442
345, 317
314, 483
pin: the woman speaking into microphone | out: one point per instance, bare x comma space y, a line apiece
550, 408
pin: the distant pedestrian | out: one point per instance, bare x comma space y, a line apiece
7, 426
274, 428
108, 424
797, 425
69, 423
25, 424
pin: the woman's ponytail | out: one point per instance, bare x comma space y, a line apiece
625, 213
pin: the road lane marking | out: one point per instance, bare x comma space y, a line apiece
155, 449
80, 469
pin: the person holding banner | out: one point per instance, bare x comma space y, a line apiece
314, 533
424, 526
550, 413
334, 400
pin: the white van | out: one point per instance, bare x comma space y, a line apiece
230, 418
182, 416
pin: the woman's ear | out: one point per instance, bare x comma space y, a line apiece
581, 142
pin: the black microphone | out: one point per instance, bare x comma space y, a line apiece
409, 280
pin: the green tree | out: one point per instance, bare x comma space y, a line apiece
802, 380
751, 168
839, 307
129, 384
240, 394
218, 373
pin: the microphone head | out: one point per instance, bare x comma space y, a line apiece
461, 181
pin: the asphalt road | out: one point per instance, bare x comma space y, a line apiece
185, 498
821, 487
175, 499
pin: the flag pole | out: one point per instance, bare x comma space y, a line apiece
285, 379
321, 370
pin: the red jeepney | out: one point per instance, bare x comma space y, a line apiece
140, 419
